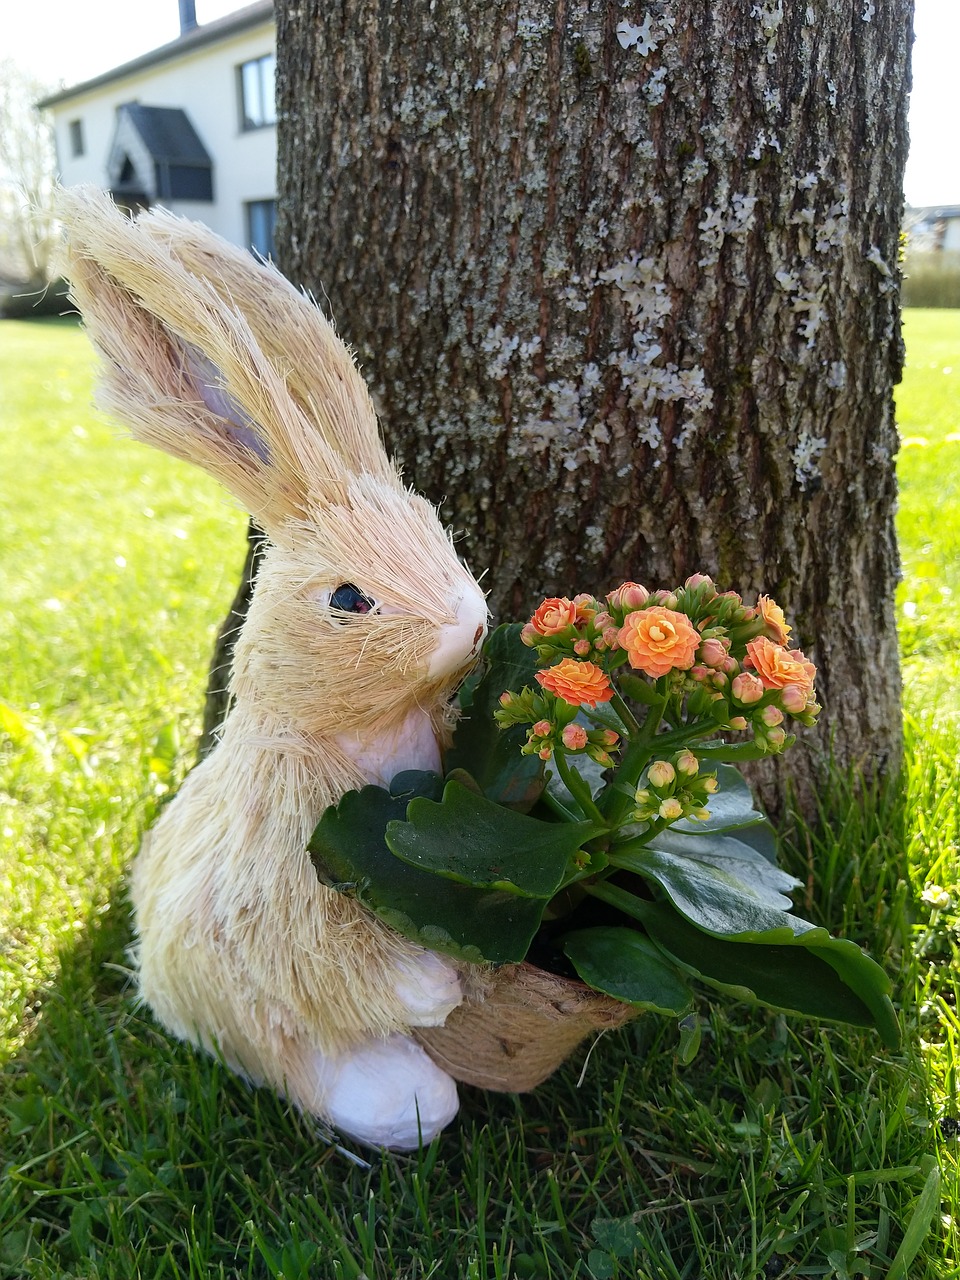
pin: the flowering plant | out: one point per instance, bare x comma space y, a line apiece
592, 817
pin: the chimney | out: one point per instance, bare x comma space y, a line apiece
188, 16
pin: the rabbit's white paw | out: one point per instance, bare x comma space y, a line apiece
428, 987
387, 1093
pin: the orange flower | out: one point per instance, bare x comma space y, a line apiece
778, 667
778, 629
579, 683
658, 640
555, 614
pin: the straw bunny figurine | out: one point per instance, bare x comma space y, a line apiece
363, 620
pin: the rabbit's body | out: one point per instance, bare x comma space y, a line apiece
361, 624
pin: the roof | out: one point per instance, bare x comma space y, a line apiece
251, 15
167, 133
934, 212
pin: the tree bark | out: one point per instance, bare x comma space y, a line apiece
624, 281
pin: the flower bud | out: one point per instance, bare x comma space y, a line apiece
609, 737
542, 728
793, 699
581, 648
506, 698
713, 652
530, 636
699, 672
545, 753
574, 737
671, 809
776, 738
661, 773
698, 580
643, 796
602, 620
600, 757
688, 764
611, 637
738, 723
771, 716
747, 688
701, 815
730, 665
710, 784
629, 595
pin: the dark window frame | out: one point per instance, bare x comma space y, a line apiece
253, 210
77, 142
256, 94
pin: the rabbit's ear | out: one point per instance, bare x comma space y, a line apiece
290, 330
184, 369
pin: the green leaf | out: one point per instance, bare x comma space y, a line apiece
640, 690
622, 963
487, 752
796, 975
349, 854
722, 886
470, 839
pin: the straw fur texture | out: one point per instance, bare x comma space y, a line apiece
217, 359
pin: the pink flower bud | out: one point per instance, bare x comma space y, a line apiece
699, 672
603, 620
671, 809
738, 723
602, 758
661, 773
793, 699
609, 737
698, 580
687, 763
776, 738
506, 698
530, 635
730, 665
713, 652
771, 716
574, 737
747, 688
545, 753
542, 728
629, 595
611, 637
581, 648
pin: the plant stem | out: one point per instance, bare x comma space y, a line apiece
577, 788
625, 714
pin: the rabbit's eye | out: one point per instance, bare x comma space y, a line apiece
350, 599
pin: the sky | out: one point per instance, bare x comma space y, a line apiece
72, 40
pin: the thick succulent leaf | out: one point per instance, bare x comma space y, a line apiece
816, 975
622, 963
488, 753
741, 898
470, 839
734, 857
350, 854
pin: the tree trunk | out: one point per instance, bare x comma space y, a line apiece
624, 281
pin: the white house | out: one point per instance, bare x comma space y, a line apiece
191, 126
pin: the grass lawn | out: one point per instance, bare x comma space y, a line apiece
783, 1149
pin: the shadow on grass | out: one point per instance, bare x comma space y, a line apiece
783, 1149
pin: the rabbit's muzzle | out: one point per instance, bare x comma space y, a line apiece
459, 641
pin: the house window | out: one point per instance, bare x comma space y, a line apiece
261, 220
76, 137
257, 105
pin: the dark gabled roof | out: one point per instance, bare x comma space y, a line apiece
211, 32
167, 134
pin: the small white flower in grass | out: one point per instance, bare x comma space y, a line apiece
935, 896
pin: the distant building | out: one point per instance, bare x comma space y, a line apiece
933, 228
191, 126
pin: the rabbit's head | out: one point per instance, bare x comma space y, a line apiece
362, 608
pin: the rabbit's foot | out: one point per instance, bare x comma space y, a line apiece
428, 987
386, 1093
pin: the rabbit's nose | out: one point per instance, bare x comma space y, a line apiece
460, 641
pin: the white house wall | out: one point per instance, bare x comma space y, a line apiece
205, 83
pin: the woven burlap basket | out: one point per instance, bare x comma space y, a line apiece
516, 1025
